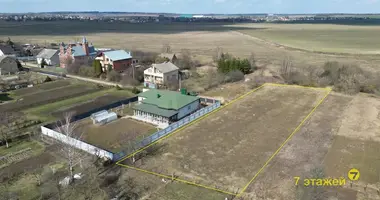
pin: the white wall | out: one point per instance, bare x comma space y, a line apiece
52, 62
1, 53
77, 143
188, 109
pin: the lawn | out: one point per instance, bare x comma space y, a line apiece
84, 103
320, 37
116, 135
219, 150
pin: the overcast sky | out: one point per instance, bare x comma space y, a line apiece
195, 6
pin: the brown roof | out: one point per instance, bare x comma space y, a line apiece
7, 50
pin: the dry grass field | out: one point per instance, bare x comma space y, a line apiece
229, 147
339, 136
202, 39
330, 38
114, 135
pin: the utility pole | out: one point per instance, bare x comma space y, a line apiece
133, 69
179, 81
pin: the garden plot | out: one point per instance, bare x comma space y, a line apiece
48, 96
115, 135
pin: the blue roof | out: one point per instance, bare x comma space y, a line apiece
118, 55
79, 51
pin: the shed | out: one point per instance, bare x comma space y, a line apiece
8, 65
50, 56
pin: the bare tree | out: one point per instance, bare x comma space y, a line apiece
7, 125
252, 61
90, 188
166, 48
286, 68
218, 52
69, 129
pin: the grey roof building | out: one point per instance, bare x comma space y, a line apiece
165, 67
51, 57
6, 50
47, 53
8, 65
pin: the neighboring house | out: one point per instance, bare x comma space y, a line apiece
118, 60
76, 53
8, 65
162, 107
171, 56
50, 56
162, 74
6, 50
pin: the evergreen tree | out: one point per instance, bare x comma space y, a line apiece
43, 63
97, 67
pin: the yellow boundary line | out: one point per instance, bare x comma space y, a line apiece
283, 144
233, 101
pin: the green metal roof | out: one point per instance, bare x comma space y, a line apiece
167, 99
155, 110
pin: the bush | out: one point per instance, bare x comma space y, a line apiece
129, 81
113, 76
144, 58
86, 71
135, 90
234, 76
103, 76
47, 79
228, 63
160, 59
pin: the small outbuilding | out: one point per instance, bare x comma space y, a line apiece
6, 50
50, 56
8, 65
103, 117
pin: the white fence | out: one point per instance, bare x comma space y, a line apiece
77, 143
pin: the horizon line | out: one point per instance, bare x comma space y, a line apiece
131, 12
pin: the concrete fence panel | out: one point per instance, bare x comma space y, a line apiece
76, 143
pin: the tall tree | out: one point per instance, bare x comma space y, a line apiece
97, 67
252, 61
166, 48
9, 42
70, 131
